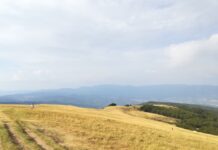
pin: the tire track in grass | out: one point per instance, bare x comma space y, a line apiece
28, 138
51, 138
13, 138
5, 139
8, 134
31, 135
36, 139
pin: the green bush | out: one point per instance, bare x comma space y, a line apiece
189, 117
112, 104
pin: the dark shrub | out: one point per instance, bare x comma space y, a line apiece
112, 104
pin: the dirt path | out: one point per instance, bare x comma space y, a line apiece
6, 124
13, 138
39, 142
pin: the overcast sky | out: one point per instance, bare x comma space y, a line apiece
72, 43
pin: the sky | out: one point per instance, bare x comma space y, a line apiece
71, 43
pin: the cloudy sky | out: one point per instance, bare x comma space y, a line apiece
72, 43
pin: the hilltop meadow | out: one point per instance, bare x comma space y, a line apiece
59, 127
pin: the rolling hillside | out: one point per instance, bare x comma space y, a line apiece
48, 127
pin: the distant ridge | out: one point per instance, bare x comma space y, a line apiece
99, 96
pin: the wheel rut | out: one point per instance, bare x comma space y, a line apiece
32, 136
13, 137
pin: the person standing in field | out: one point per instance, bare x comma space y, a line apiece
32, 106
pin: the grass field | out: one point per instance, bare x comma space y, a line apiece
49, 127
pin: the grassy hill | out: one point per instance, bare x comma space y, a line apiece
49, 127
193, 117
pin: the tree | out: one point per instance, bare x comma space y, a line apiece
112, 104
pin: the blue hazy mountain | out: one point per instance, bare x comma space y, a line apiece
99, 96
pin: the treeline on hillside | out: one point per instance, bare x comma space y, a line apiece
189, 117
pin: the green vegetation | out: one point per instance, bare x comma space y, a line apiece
112, 104
191, 117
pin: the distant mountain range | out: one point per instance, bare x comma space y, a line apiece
100, 96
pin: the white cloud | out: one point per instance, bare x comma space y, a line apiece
67, 43
186, 53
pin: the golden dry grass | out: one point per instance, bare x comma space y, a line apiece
112, 128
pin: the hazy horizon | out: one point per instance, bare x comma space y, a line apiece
14, 91
69, 44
